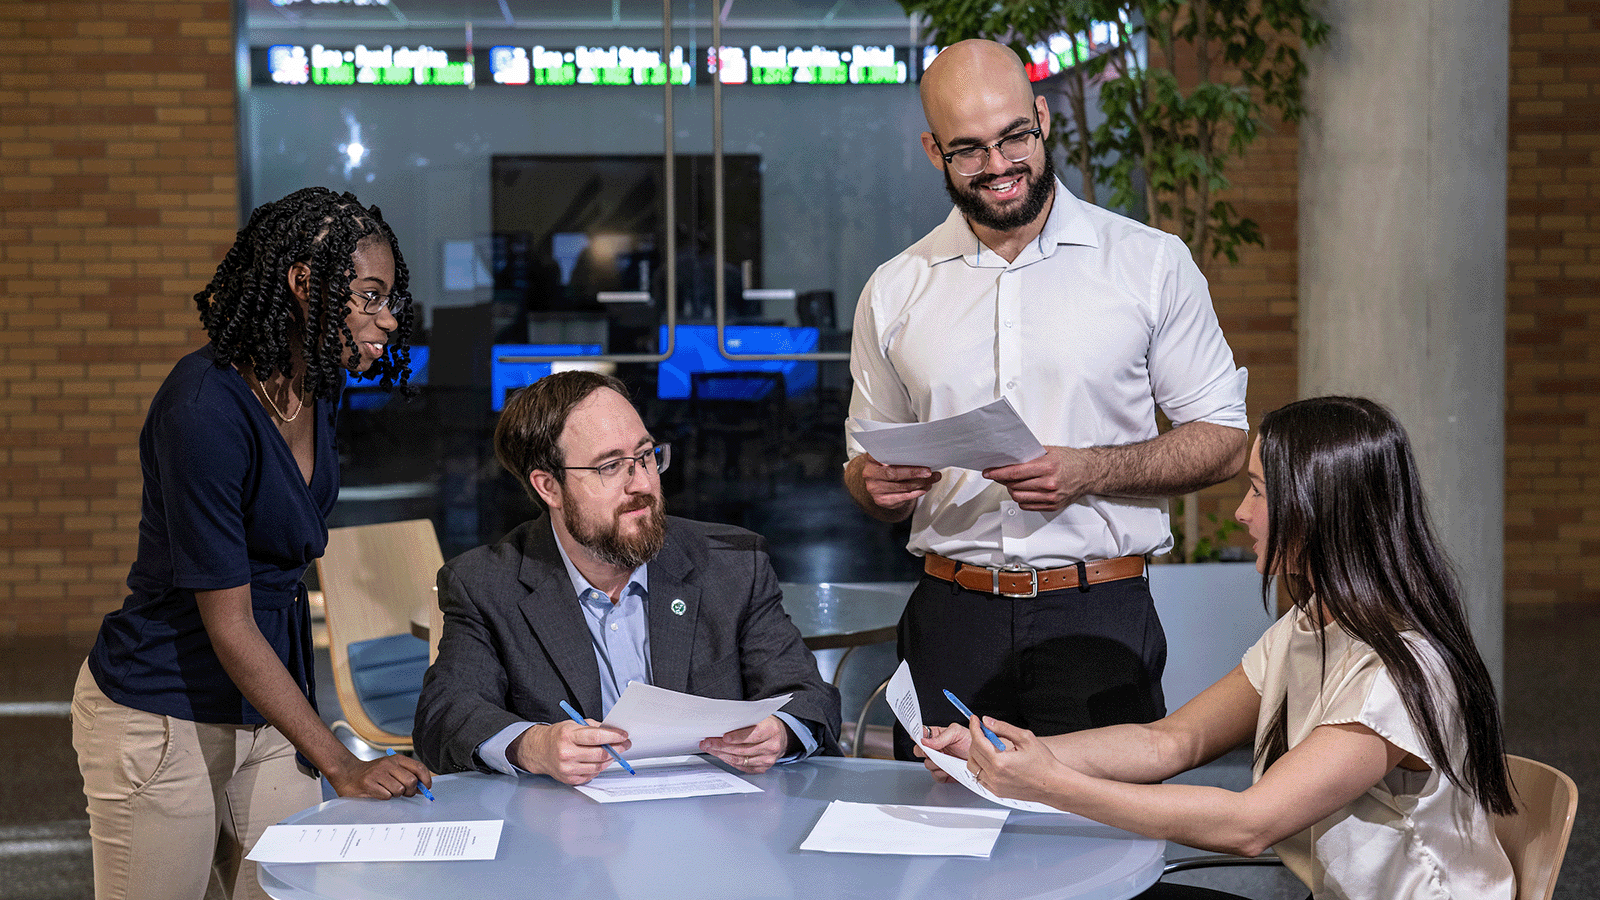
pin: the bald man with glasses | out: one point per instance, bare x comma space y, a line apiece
603, 589
1035, 607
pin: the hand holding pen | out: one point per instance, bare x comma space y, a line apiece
968, 713
420, 786
567, 708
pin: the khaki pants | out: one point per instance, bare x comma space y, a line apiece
175, 805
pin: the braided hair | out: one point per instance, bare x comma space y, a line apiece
252, 316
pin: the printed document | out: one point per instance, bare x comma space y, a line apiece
393, 842
902, 697
988, 436
906, 830
663, 778
660, 722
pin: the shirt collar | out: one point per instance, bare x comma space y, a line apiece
640, 579
1068, 223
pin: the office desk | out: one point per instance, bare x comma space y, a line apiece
558, 843
829, 615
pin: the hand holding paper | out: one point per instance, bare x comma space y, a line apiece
902, 696
660, 722
754, 749
989, 436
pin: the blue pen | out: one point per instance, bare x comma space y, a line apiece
420, 786
968, 713
567, 708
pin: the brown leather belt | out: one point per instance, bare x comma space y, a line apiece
1024, 581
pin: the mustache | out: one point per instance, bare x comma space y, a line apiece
986, 179
646, 501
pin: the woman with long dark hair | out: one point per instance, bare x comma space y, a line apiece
1378, 763
198, 692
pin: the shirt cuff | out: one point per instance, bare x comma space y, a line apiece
802, 730
493, 750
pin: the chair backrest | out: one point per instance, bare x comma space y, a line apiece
1536, 837
377, 579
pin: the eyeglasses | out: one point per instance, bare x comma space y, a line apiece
969, 161
654, 461
372, 302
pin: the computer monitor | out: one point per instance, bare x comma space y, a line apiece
505, 377
362, 392
696, 351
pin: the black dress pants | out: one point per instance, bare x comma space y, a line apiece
1059, 662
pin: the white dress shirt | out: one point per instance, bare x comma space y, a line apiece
1096, 323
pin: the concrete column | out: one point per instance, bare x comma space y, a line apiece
1403, 254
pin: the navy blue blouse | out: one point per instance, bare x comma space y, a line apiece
224, 505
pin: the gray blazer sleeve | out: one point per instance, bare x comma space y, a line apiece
464, 694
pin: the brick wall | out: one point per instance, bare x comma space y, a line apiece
118, 195
1553, 304
1257, 299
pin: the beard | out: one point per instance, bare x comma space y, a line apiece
972, 204
606, 540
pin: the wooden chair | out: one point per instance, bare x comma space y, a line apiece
375, 579
1535, 839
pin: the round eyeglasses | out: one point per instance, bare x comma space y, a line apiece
372, 302
969, 161
654, 460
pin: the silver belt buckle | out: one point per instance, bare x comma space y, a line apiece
1033, 578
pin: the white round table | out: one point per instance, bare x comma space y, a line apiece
557, 842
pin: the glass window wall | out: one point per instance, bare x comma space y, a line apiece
519, 148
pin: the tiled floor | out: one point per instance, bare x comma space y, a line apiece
1552, 702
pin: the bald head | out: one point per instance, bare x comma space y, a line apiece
972, 73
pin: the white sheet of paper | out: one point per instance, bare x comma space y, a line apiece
902, 697
395, 842
663, 778
992, 435
660, 722
905, 830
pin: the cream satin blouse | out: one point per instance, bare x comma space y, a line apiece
1412, 835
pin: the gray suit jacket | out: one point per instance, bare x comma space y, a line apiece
515, 643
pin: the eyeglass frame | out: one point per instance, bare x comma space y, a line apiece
663, 458
394, 301
1036, 132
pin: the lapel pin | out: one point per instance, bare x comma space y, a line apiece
679, 607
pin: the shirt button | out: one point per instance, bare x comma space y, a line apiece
1008, 323
613, 626
1011, 512
1011, 385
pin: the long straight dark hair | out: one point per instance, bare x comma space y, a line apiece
1348, 531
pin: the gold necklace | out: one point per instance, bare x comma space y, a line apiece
268, 397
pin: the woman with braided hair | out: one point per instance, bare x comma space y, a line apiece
193, 716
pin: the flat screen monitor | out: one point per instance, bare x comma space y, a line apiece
696, 351
505, 377
576, 232
361, 392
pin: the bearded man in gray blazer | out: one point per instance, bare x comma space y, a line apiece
603, 589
